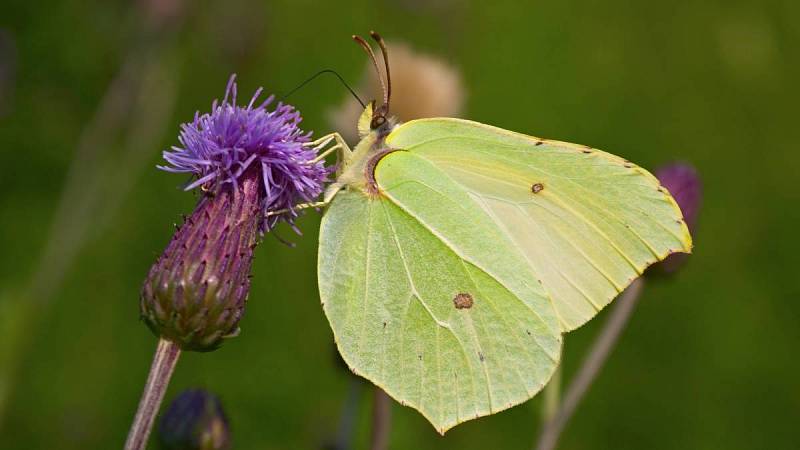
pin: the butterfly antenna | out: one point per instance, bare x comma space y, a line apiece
374, 60
323, 72
387, 93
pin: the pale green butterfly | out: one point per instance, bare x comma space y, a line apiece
453, 255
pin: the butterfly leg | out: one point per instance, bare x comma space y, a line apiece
297, 208
320, 143
332, 189
330, 192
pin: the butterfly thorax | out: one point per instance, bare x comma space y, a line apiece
356, 171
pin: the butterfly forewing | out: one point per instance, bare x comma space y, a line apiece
587, 222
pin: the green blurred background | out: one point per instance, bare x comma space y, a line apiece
709, 360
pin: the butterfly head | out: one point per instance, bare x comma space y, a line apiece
376, 118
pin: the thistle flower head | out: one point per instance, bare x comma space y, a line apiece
195, 420
221, 147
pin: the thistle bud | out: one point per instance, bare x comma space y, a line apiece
196, 291
247, 161
682, 181
195, 420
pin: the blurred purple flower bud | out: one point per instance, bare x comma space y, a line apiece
8, 63
248, 161
194, 421
683, 182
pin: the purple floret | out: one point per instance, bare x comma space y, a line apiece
233, 141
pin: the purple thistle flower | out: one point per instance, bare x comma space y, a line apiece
194, 420
249, 161
683, 182
232, 142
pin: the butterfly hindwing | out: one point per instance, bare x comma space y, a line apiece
427, 322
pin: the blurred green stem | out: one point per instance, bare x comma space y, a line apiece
15, 316
552, 396
164, 361
136, 108
622, 309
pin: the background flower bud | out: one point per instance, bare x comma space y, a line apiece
8, 66
683, 182
194, 420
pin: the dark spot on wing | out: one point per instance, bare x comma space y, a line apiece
537, 187
462, 300
587, 151
538, 143
481, 357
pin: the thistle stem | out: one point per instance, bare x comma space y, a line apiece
381, 420
164, 360
623, 307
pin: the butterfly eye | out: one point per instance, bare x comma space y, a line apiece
377, 122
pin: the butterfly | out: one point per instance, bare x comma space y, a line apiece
454, 255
